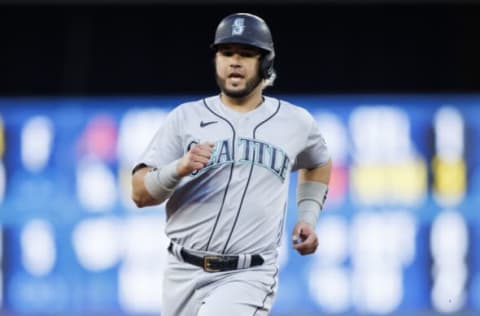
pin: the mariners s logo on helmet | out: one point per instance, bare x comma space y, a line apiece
238, 26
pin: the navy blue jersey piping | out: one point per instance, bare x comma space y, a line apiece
249, 176
229, 177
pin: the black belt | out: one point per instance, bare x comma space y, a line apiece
215, 263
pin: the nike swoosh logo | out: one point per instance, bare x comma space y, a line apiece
203, 124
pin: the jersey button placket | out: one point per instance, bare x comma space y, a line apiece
244, 131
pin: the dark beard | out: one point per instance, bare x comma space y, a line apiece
249, 87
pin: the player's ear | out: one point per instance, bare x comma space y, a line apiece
214, 62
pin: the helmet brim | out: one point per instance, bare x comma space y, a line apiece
240, 40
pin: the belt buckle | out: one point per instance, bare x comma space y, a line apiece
207, 262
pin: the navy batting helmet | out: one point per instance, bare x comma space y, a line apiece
248, 29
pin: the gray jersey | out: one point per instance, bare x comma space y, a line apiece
237, 203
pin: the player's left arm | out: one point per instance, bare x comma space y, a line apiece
312, 191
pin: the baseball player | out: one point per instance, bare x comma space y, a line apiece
224, 164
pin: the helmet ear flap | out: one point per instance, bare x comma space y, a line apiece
266, 65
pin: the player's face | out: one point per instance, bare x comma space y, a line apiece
237, 69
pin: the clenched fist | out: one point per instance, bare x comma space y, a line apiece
196, 158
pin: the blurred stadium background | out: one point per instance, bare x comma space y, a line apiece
393, 85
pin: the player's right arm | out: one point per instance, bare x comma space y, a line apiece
140, 195
152, 186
